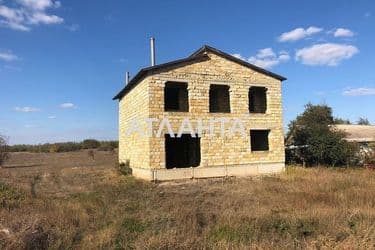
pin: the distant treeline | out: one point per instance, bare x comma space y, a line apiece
64, 146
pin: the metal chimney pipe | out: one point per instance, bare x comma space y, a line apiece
152, 46
127, 76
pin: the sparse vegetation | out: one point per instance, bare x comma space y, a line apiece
10, 197
64, 146
363, 121
91, 154
96, 208
4, 155
341, 121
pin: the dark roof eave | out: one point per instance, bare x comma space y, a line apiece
195, 56
143, 72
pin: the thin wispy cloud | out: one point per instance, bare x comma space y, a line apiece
123, 60
8, 56
30, 126
27, 13
266, 58
359, 91
67, 105
330, 54
52, 117
12, 68
26, 109
298, 34
73, 28
341, 32
320, 93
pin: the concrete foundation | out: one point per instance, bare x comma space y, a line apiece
209, 172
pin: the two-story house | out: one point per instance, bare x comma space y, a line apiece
205, 87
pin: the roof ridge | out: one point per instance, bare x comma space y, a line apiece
194, 56
237, 60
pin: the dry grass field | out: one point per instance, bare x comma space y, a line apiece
74, 201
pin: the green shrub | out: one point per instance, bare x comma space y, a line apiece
132, 225
10, 197
255, 229
128, 232
90, 144
226, 233
124, 168
315, 141
108, 145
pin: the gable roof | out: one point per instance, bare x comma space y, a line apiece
199, 55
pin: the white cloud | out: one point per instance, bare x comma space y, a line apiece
26, 109
359, 91
12, 18
265, 53
298, 33
267, 58
26, 13
341, 32
8, 56
330, 54
284, 56
239, 56
52, 117
39, 4
42, 18
67, 105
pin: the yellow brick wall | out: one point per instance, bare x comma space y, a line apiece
217, 151
147, 100
134, 148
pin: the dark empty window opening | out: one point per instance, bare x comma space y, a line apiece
176, 97
259, 140
183, 152
219, 99
258, 100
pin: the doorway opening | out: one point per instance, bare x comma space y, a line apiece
183, 152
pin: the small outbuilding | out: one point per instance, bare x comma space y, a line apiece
363, 134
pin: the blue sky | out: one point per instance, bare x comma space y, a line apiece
61, 62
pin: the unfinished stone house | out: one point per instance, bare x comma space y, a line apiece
207, 85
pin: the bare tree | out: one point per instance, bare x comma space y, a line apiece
363, 121
4, 155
